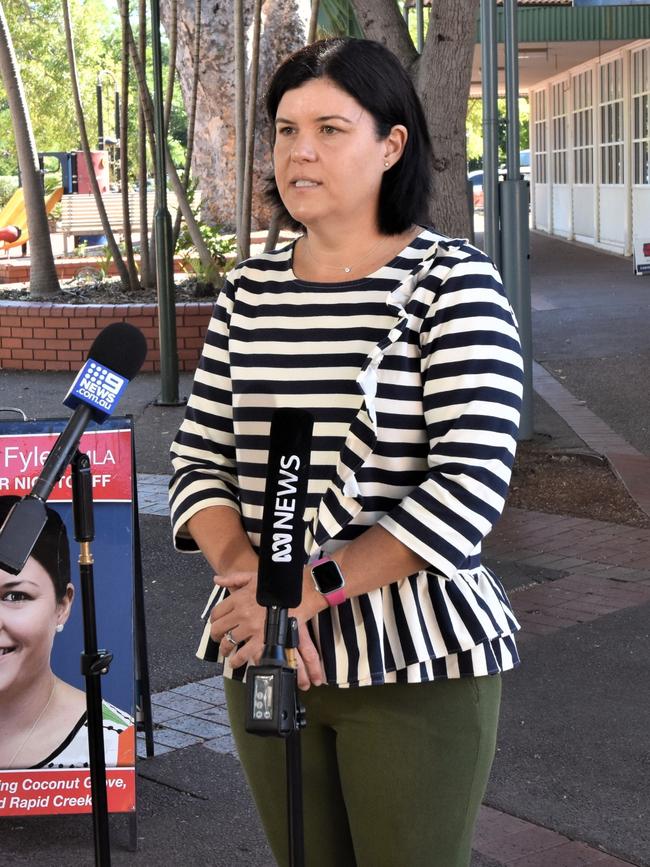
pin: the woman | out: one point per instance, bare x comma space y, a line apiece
402, 345
43, 720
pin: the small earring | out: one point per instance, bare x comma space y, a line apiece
59, 627
386, 164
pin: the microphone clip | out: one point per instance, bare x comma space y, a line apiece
272, 707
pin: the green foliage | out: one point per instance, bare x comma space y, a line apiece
337, 18
37, 33
8, 183
475, 130
36, 28
222, 248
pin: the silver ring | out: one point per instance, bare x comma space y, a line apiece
230, 638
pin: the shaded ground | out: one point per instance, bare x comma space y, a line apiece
577, 483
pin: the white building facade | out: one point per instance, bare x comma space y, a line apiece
590, 150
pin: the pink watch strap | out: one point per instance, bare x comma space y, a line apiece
336, 597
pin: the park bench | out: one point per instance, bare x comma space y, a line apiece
79, 214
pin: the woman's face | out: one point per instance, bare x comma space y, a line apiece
328, 161
29, 615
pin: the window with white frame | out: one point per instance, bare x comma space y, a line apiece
540, 137
558, 124
583, 127
611, 122
641, 115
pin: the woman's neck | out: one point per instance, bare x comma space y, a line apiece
20, 709
330, 256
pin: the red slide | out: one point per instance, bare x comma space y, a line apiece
10, 233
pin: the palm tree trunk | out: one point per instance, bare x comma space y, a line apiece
247, 185
240, 120
147, 274
134, 283
43, 278
274, 227
85, 146
171, 71
313, 22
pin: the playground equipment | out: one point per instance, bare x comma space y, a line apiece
14, 216
10, 233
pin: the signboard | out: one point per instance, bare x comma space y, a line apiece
641, 256
57, 781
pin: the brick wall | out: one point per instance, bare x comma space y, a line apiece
45, 336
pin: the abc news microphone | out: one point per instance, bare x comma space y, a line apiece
115, 357
271, 685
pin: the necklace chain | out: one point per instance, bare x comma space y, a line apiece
33, 728
345, 268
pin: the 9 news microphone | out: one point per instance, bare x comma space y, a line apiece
115, 358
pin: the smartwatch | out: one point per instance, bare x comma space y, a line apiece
328, 580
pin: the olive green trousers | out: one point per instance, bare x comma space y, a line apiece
393, 775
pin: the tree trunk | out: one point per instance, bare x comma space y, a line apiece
441, 75
85, 146
284, 29
43, 277
191, 114
147, 106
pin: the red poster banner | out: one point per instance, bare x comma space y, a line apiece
46, 772
22, 457
41, 793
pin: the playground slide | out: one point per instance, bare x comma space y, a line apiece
12, 209
17, 216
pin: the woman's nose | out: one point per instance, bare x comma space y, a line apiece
302, 150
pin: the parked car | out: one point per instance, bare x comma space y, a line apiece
524, 165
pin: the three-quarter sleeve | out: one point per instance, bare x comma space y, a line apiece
203, 452
472, 389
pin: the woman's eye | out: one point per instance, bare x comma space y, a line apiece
14, 596
285, 130
329, 130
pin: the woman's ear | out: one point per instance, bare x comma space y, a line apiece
395, 142
64, 607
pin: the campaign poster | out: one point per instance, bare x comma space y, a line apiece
641, 257
48, 773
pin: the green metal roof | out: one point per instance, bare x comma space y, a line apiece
578, 24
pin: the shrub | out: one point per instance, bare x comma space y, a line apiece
8, 183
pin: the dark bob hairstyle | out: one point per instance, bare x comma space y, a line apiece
51, 550
373, 76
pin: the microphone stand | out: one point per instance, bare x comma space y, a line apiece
94, 662
273, 709
294, 758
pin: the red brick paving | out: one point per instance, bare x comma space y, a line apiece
516, 843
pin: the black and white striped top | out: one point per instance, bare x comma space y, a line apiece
414, 377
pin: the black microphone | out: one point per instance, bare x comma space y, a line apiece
271, 703
282, 542
115, 357
279, 574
